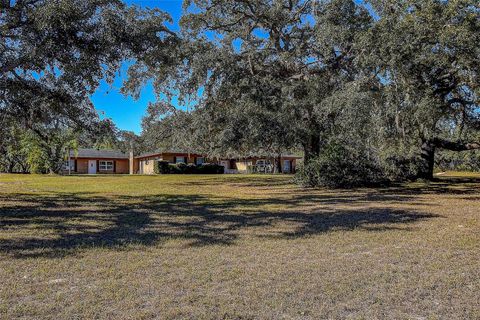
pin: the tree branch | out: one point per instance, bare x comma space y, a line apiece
455, 145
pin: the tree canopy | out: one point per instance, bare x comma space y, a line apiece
428, 55
384, 83
53, 55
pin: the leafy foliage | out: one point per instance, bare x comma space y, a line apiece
340, 166
161, 167
465, 161
368, 94
427, 55
164, 167
53, 55
392, 84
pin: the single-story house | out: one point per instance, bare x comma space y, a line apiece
93, 161
143, 164
261, 164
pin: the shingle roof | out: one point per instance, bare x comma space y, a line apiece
95, 153
158, 153
261, 156
148, 154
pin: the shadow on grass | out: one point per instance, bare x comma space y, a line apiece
443, 185
242, 180
59, 224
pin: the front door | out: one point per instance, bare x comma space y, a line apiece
287, 166
92, 166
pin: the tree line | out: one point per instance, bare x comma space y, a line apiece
367, 91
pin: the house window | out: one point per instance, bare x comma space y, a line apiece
69, 165
200, 160
106, 165
261, 162
180, 160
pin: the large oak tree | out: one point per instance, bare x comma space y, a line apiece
427, 53
53, 55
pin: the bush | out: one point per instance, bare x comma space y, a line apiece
459, 161
401, 167
161, 167
340, 167
189, 169
164, 167
210, 168
179, 168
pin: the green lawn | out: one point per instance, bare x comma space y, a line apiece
237, 247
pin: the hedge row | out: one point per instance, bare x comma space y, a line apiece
164, 167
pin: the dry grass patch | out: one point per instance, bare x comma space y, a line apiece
237, 247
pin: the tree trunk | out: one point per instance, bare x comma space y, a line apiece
428, 160
55, 159
24, 167
428, 153
279, 164
311, 148
11, 165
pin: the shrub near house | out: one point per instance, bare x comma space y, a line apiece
164, 167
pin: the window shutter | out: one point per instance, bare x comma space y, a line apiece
114, 166
174, 159
98, 165
75, 165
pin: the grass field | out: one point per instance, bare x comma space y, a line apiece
237, 247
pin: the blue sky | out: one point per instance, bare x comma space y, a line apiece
126, 112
